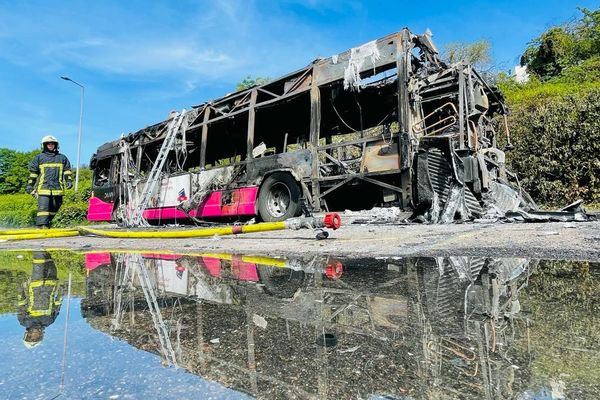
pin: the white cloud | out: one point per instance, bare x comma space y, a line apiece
139, 59
136, 57
217, 40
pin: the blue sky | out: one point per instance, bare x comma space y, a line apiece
140, 59
98, 366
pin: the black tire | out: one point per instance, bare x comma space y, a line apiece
279, 198
282, 283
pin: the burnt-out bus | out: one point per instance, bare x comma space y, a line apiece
387, 123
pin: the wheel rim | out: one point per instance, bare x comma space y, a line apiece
278, 200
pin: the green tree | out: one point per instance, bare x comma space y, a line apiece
249, 82
476, 53
554, 118
6, 158
564, 47
550, 53
13, 170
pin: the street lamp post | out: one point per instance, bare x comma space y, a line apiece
66, 78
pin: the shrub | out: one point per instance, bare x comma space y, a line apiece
74, 209
13, 170
17, 210
71, 214
556, 134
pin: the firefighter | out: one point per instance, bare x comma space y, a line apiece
49, 175
39, 299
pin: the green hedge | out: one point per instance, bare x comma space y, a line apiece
555, 129
19, 210
74, 208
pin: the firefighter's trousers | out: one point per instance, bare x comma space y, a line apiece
48, 206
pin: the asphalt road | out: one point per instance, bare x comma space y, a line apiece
555, 240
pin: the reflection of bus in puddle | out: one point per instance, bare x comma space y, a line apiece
292, 327
202, 276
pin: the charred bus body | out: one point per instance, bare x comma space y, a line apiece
383, 124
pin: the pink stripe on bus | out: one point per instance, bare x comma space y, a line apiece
99, 210
241, 202
244, 271
94, 260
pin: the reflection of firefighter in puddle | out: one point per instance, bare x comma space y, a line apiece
39, 299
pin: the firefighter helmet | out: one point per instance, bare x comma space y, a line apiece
31, 345
33, 337
49, 139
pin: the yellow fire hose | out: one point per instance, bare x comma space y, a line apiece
40, 234
27, 231
264, 260
331, 220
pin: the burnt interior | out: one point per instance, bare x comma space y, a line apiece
283, 123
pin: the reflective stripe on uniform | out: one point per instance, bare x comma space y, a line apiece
35, 284
45, 165
50, 192
43, 178
39, 313
41, 181
46, 213
32, 175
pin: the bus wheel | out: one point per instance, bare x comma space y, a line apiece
283, 283
279, 198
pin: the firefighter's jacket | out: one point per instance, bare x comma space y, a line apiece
49, 170
40, 298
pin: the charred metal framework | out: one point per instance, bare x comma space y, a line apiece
385, 123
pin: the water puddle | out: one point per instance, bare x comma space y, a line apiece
145, 324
